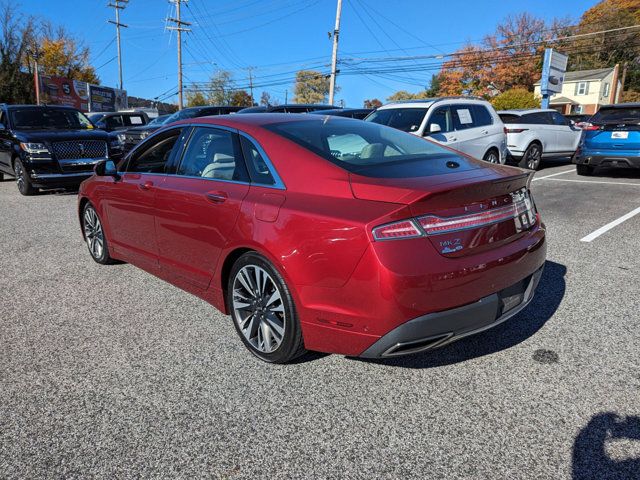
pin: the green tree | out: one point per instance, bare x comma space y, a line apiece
401, 95
434, 86
311, 87
196, 98
220, 88
241, 98
515, 98
17, 33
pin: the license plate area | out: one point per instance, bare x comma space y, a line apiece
620, 135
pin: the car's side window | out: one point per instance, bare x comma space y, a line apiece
462, 117
114, 121
256, 164
559, 119
215, 154
442, 117
481, 116
134, 120
538, 118
156, 157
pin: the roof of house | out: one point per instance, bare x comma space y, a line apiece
582, 75
563, 101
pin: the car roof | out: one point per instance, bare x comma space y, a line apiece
428, 102
260, 119
65, 107
622, 105
524, 111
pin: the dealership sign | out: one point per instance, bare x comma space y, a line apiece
82, 95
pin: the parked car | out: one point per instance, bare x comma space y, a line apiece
115, 121
50, 146
373, 243
159, 120
465, 124
288, 108
612, 139
535, 134
358, 113
578, 119
131, 137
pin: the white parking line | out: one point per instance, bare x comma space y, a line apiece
554, 174
609, 226
593, 181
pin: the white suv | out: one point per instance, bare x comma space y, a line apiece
536, 134
466, 124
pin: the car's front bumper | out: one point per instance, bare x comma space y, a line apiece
441, 328
58, 180
603, 159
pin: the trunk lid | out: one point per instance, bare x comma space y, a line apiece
613, 136
462, 213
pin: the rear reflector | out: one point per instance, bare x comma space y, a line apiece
521, 210
403, 229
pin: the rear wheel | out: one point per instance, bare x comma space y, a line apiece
1, 176
263, 311
532, 157
94, 236
491, 156
585, 170
23, 180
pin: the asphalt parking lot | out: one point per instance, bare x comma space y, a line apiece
110, 372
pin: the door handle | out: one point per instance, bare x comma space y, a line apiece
217, 197
485, 132
146, 185
451, 139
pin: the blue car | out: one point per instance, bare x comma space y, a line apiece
611, 140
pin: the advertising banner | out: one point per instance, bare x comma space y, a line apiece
105, 99
62, 91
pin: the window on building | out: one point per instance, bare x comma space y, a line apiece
607, 90
582, 88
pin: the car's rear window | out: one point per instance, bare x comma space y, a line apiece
510, 118
367, 148
617, 115
405, 119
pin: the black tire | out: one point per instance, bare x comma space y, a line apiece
585, 170
93, 234
532, 157
492, 156
291, 344
1, 177
22, 179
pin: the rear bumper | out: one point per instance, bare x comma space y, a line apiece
438, 329
609, 161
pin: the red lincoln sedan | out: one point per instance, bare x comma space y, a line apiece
320, 232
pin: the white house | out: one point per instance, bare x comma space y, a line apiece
585, 91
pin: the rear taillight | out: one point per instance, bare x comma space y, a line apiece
590, 126
514, 130
522, 211
397, 230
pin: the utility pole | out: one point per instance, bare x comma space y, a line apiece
251, 84
334, 55
620, 94
179, 28
118, 5
35, 54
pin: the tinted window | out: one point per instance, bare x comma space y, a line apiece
49, 118
510, 118
256, 164
364, 147
114, 121
213, 153
617, 115
405, 119
155, 158
134, 120
462, 117
441, 116
538, 118
558, 119
481, 116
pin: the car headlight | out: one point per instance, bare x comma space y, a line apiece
30, 147
144, 134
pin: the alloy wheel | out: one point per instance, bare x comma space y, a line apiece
533, 158
93, 233
259, 308
492, 158
20, 176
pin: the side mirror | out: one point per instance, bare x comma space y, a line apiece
101, 125
434, 128
106, 168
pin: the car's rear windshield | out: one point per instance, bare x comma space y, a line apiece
405, 119
510, 118
629, 115
49, 119
367, 148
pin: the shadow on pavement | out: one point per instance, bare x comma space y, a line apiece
549, 295
590, 458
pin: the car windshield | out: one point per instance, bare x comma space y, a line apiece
405, 119
96, 117
365, 148
617, 115
161, 120
49, 118
182, 115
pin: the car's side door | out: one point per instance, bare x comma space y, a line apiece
131, 200
568, 136
445, 133
198, 205
467, 132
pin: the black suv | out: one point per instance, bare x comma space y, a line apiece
135, 135
50, 146
113, 121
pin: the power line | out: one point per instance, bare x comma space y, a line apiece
179, 27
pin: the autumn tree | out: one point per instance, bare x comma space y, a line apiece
515, 98
16, 35
220, 88
373, 103
400, 95
241, 98
196, 98
311, 87
64, 56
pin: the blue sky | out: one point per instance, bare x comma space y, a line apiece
278, 37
